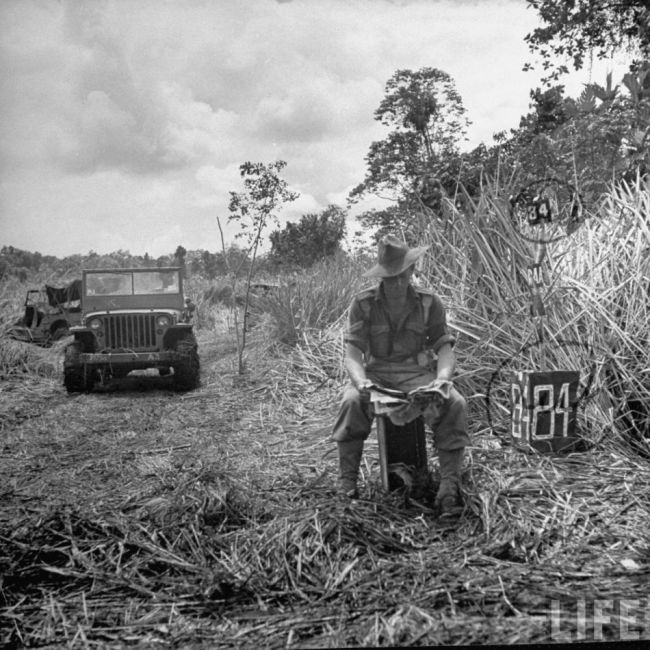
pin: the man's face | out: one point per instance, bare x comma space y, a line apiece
396, 286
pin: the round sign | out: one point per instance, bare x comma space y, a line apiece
547, 210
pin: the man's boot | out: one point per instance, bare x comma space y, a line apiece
448, 498
349, 460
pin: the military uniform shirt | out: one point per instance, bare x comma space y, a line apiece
370, 329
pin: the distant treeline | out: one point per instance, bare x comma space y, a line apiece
23, 264
298, 245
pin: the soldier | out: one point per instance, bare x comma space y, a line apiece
392, 330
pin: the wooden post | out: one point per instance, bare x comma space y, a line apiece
400, 445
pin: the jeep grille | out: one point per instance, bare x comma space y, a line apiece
129, 331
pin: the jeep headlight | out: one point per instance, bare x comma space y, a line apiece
95, 324
163, 321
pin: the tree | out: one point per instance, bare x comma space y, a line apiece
427, 118
179, 258
264, 192
209, 264
580, 141
575, 28
416, 165
549, 111
638, 140
313, 238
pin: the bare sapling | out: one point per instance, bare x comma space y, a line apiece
253, 210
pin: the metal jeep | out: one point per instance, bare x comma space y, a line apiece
132, 319
49, 312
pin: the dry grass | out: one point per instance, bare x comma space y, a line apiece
598, 313
139, 516
310, 303
189, 520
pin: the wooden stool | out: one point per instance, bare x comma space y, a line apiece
403, 445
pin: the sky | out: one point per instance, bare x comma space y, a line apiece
124, 122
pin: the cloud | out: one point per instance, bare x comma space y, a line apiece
113, 120
304, 204
165, 242
128, 119
300, 116
214, 185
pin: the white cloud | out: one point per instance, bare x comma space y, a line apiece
214, 185
304, 204
196, 131
165, 243
126, 121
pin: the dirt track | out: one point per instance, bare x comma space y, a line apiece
132, 454
76, 449
91, 450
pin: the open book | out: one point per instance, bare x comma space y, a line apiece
436, 391
403, 407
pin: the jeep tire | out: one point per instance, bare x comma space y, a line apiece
186, 369
76, 377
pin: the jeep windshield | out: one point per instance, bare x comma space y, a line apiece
131, 283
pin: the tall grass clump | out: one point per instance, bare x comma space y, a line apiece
19, 359
12, 299
610, 280
596, 298
312, 301
303, 319
213, 302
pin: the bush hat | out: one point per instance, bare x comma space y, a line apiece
393, 257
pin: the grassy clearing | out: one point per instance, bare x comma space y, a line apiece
137, 515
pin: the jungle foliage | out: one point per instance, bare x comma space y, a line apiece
314, 238
578, 29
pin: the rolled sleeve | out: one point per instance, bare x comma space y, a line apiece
437, 330
357, 331
444, 339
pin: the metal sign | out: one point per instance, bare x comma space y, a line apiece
540, 210
544, 407
551, 203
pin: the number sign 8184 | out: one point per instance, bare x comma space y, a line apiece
543, 405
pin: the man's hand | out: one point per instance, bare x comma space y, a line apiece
363, 386
444, 386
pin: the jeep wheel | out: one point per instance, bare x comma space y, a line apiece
76, 378
186, 369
